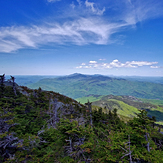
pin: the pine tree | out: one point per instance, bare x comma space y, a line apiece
13, 85
2, 80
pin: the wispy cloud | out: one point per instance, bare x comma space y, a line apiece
102, 59
80, 30
117, 64
137, 11
79, 2
94, 9
72, 5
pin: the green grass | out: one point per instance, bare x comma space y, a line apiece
122, 108
84, 100
126, 110
160, 123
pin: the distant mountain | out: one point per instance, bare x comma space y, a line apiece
80, 85
145, 79
28, 79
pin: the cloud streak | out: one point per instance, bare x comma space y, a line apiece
80, 30
137, 10
117, 64
94, 9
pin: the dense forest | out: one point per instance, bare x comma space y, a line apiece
44, 126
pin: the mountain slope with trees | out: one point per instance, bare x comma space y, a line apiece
79, 85
43, 126
126, 106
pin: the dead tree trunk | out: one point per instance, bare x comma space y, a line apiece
53, 112
146, 137
128, 151
70, 147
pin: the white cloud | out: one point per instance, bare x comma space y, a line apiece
117, 64
12, 39
8, 46
83, 64
93, 9
116, 60
92, 62
154, 66
79, 67
141, 63
88, 67
80, 32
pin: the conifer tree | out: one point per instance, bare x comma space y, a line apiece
13, 85
2, 80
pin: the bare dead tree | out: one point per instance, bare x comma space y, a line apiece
74, 149
128, 150
8, 142
70, 148
71, 109
53, 108
35, 94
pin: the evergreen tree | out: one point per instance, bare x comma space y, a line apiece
13, 85
2, 80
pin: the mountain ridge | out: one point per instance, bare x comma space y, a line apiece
79, 85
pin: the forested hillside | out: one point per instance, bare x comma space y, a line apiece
126, 105
79, 85
43, 126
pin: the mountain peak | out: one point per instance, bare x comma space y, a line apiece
77, 75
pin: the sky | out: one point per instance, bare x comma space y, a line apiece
62, 37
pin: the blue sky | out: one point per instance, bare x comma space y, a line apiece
61, 37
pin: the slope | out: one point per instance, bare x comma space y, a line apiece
126, 106
45, 126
